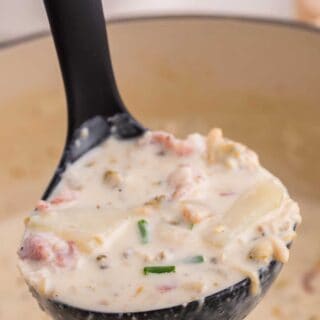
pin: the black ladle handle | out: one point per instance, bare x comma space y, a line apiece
80, 37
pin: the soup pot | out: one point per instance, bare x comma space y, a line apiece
258, 80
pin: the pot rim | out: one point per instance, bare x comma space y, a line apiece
290, 24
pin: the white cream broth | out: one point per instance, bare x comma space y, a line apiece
201, 211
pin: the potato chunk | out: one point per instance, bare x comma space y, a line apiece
80, 226
265, 197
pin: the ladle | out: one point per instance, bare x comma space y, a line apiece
79, 32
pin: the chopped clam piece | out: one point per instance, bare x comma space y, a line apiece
154, 257
231, 154
214, 138
254, 279
144, 210
156, 201
112, 178
163, 255
102, 261
194, 213
280, 249
262, 251
138, 291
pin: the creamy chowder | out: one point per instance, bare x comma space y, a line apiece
157, 221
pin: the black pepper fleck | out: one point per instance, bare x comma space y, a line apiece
161, 153
214, 260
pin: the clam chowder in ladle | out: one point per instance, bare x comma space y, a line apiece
155, 221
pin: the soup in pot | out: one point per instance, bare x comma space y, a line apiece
26, 179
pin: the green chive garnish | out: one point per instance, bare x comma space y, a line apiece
195, 259
159, 269
143, 229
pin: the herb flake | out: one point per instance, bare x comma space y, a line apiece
194, 259
159, 269
143, 229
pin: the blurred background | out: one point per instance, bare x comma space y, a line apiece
19, 18
271, 81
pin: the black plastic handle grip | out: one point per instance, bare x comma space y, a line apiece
79, 32
80, 37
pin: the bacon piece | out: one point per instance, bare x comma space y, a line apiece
63, 197
169, 143
43, 206
49, 249
166, 288
194, 213
36, 248
227, 193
